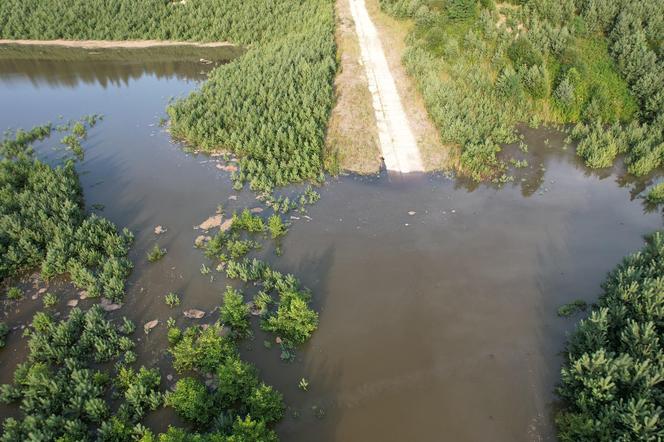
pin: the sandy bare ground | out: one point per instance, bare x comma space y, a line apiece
397, 141
104, 44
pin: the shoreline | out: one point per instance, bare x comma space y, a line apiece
113, 44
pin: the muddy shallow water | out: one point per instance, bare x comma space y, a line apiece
439, 325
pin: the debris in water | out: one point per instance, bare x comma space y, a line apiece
227, 168
193, 313
150, 325
108, 306
411, 212
256, 210
211, 222
159, 230
226, 225
72, 303
201, 240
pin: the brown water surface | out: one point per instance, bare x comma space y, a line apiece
435, 326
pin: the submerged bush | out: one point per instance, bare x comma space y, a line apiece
155, 253
4, 331
656, 194
612, 378
234, 312
43, 223
59, 393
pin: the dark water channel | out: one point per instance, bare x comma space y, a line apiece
435, 326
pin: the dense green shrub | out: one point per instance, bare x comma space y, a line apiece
43, 223
656, 194
612, 381
202, 349
234, 312
60, 395
191, 400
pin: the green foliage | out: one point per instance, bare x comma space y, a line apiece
571, 308
14, 293
172, 299
201, 349
60, 395
50, 300
247, 221
79, 130
4, 331
155, 253
611, 381
234, 312
73, 143
523, 53
276, 226
43, 224
191, 400
294, 320
141, 392
656, 194
481, 73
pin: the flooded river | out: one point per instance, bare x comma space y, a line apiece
437, 300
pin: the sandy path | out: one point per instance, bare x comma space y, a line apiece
397, 141
105, 44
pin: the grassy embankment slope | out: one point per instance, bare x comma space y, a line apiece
270, 107
482, 68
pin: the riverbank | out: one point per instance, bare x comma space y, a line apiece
111, 44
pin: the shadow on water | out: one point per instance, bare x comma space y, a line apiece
437, 298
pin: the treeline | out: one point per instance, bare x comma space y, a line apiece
270, 107
482, 68
43, 224
613, 378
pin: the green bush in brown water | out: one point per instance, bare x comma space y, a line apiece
612, 379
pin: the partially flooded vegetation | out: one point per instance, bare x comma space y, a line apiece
149, 294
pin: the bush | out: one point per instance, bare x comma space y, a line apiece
656, 194
43, 224
613, 371
276, 226
156, 253
522, 53
59, 394
201, 349
14, 293
234, 312
172, 299
191, 400
294, 321
50, 300
4, 331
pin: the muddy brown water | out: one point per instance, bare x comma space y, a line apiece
435, 326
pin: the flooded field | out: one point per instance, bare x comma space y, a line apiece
437, 298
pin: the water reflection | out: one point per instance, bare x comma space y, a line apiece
70, 67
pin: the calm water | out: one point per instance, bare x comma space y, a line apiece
435, 326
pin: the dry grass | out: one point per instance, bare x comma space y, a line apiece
352, 137
435, 155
